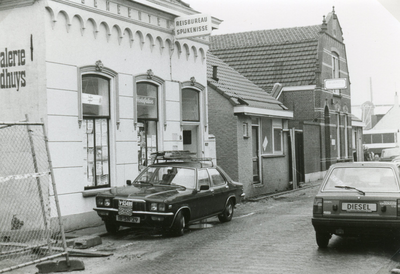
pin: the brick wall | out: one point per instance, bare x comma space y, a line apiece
223, 125
312, 148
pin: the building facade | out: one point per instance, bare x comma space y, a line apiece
112, 84
296, 65
250, 129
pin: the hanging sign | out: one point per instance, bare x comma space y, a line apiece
146, 100
192, 26
91, 99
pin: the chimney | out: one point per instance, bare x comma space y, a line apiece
396, 100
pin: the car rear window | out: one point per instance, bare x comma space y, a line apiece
367, 179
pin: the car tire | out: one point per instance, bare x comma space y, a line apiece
322, 239
111, 227
226, 216
178, 228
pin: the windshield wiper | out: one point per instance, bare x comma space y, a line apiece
350, 187
142, 183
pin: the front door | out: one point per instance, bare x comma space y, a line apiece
190, 139
256, 153
147, 141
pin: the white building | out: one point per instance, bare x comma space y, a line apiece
112, 83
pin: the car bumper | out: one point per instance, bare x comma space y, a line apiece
355, 227
142, 218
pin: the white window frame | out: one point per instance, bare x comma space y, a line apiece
275, 124
335, 69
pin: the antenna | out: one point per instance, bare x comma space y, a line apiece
370, 89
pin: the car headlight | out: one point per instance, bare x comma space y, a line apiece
107, 202
99, 201
153, 207
161, 207
157, 207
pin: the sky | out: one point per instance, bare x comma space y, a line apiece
371, 34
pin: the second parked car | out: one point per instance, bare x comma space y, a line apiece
356, 199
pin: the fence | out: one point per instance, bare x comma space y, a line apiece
30, 222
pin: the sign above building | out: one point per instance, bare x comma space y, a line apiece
192, 26
338, 83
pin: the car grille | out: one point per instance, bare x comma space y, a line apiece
136, 206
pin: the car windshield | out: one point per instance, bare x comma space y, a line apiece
174, 176
366, 179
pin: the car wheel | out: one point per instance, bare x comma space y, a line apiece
111, 227
322, 239
226, 216
178, 228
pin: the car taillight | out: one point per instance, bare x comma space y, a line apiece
317, 209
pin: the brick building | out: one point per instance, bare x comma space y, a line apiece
293, 65
250, 128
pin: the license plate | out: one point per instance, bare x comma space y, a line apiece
358, 207
125, 203
128, 219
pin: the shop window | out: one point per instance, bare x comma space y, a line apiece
96, 116
147, 101
190, 105
147, 115
271, 137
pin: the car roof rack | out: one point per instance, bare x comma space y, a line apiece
178, 156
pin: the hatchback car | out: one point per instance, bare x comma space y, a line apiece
354, 199
175, 191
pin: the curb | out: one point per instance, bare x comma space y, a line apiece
255, 199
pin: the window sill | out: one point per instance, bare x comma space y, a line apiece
273, 155
94, 192
257, 185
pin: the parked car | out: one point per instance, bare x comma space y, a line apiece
388, 154
174, 192
360, 198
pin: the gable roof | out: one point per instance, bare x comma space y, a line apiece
286, 56
237, 88
391, 119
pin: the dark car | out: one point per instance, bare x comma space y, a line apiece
355, 199
175, 191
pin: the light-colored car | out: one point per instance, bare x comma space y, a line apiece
388, 154
360, 198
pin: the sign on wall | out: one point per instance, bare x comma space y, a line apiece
192, 26
337, 83
12, 76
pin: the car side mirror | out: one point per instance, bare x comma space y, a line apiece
204, 187
128, 182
